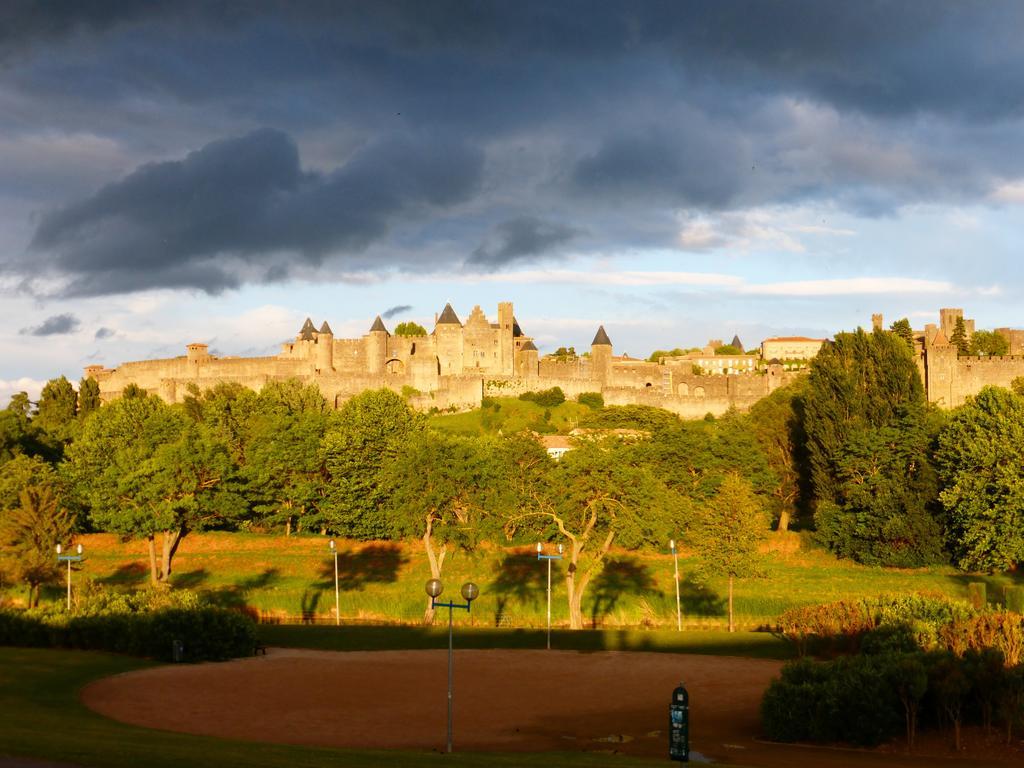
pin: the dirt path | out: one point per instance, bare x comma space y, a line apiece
504, 700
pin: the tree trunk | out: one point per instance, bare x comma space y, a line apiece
436, 561
154, 574
288, 526
732, 626
171, 541
576, 581
783, 521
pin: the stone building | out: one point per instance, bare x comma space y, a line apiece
452, 367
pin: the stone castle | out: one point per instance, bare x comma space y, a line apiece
458, 364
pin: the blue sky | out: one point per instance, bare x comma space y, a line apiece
176, 172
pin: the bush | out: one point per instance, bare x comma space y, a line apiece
548, 398
593, 400
841, 626
207, 633
850, 699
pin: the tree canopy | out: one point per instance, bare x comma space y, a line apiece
409, 328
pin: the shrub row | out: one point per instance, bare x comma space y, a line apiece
205, 633
839, 627
871, 698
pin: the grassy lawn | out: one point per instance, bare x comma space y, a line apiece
43, 718
760, 645
382, 581
509, 414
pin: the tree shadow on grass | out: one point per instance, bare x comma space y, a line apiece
624, 575
190, 579
995, 587
521, 577
700, 600
127, 575
237, 595
373, 564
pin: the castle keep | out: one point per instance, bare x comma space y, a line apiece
458, 364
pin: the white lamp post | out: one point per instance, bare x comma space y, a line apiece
337, 599
69, 559
549, 558
675, 558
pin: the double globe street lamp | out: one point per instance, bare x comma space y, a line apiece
470, 592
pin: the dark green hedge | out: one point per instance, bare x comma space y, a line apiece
206, 633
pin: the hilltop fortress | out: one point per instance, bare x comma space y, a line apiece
458, 364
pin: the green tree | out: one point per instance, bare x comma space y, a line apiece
283, 462
365, 438
959, 338
728, 532
440, 487
903, 330
29, 534
981, 464
410, 329
728, 349
989, 343
597, 496
57, 409
777, 422
145, 469
88, 396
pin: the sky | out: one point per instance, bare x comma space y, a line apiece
173, 172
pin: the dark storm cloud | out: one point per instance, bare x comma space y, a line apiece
56, 325
614, 119
875, 55
387, 314
520, 239
226, 213
103, 333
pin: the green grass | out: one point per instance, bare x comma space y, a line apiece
760, 645
512, 415
383, 582
43, 718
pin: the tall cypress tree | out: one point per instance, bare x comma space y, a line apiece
959, 338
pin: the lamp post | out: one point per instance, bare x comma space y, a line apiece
69, 559
337, 599
549, 558
470, 592
675, 558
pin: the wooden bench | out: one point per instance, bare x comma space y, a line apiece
259, 649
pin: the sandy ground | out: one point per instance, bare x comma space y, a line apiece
504, 701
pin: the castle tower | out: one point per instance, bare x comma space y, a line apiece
877, 323
448, 341
506, 348
376, 347
947, 320
941, 368
737, 343
325, 349
197, 353
305, 339
601, 357
527, 361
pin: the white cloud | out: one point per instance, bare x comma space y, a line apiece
1009, 192
9, 387
617, 278
849, 287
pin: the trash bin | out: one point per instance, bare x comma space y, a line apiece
177, 651
679, 725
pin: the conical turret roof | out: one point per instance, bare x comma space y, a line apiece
325, 328
378, 325
529, 347
307, 330
737, 343
448, 317
601, 338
